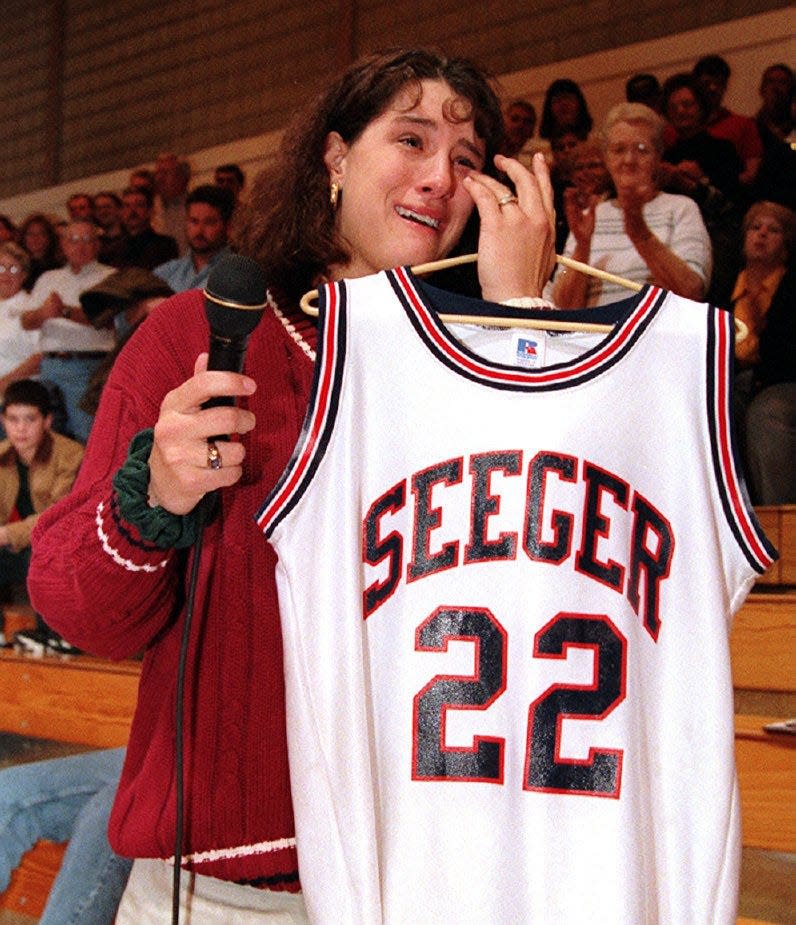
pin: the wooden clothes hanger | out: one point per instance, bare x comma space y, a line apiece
547, 324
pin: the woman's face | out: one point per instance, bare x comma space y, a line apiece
683, 112
764, 241
589, 173
630, 156
402, 200
36, 240
12, 276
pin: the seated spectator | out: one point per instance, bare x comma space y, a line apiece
776, 179
8, 230
142, 246
765, 384
712, 73
588, 178
563, 144
565, 108
208, 214
519, 124
172, 176
37, 468
775, 118
231, 177
642, 234
66, 799
38, 235
589, 173
80, 205
108, 218
696, 164
646, 89
71, 347
19, 349
706, 169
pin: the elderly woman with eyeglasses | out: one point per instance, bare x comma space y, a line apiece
19, 356
642, 234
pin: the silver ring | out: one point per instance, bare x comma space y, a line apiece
213, 456
505, 200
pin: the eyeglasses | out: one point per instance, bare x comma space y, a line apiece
80, 238
639, 148
13, 269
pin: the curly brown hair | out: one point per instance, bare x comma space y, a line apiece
288, 225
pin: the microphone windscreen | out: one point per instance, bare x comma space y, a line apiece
235, 295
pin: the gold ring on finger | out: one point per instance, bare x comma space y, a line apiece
213, 456
505, 200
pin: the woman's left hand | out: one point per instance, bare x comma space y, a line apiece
516, 246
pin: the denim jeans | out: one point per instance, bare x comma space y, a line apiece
66, 799
72, 376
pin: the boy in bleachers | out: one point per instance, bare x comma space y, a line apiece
37, 468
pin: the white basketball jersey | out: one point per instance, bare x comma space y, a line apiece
506, 588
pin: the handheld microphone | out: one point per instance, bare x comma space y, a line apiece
234, 303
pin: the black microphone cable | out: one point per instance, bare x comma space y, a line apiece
234, 303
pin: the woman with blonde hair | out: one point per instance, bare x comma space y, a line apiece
641, 233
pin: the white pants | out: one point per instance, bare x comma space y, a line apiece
203, 900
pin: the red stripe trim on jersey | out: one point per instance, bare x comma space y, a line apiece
471, 364
728, 471
319, 409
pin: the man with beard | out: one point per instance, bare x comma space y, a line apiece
208, 213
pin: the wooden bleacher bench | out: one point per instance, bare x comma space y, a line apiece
77, 699
779, 523
763, 651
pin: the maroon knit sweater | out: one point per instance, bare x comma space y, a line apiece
106, 591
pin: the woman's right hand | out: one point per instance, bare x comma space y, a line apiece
179, 473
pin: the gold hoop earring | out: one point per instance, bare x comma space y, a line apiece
334, 193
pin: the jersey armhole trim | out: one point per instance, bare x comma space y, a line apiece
724, 451
321, 411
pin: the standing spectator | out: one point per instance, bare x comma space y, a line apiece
37, 468
142, 246
713, 74
80, 205
643, 234
38, 236
172, 176
209, 211
565, 108
231, 177
71, 348
519, 124
776, 179
765, 384
19, 349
